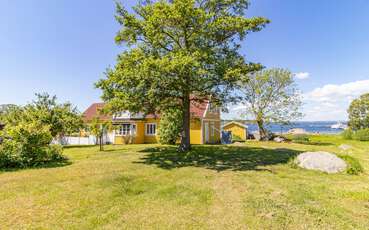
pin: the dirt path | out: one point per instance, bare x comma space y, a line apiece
226, 213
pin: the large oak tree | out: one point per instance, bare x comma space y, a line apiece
179, 51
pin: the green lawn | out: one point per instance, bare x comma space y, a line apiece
213, 187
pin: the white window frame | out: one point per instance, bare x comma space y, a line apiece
121, 131
147, 129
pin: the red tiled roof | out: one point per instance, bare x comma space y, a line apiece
94, 111
197, 110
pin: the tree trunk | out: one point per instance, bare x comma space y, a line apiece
185, 137
262, 131
101, 143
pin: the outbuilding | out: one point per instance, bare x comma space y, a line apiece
237, 129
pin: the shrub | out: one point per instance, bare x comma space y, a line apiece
300, 138
347, 134
170, 126
27, 145
353, 165
236, 138
10, 156
361, 135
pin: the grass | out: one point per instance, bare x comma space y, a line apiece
251, 186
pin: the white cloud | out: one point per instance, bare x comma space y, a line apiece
327, 103
333, 93
302, 75
331, 101
239, 107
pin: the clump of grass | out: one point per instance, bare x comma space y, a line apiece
353, 165
359, 135
300, 138
293, 163
236, 138
347, 134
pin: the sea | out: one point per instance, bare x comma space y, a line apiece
323, 127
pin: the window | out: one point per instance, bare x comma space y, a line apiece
126, 129
212, 127
150, 129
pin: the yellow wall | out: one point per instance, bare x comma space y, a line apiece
236, 129
137, 139
149, 138
140, 137
195, 131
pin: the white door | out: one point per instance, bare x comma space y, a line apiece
206, 132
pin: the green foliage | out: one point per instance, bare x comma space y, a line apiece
179, 51
347, 134
30, 129
300, 138
98, 128
170, 126
28, 144
361, 135
353, 165
62, 119
271, 96
359, 113
236, 138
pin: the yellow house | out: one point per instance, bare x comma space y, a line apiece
139, 129
237, 129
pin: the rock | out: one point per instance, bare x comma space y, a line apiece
297, 131
238, 143
322, 161
279, 139
256, 136
345, 147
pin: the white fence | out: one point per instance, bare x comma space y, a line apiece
90, 140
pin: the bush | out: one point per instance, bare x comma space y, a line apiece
27, 145
300, 138
361, 135
170, 126
347, 134
353, 165
236, 138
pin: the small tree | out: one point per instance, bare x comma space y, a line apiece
359, 113
61, 118
270, 96
178, 51
98, 128
170, 126
26, 142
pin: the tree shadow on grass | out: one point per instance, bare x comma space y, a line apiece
53, 164
317, 143
78, 146
217, 158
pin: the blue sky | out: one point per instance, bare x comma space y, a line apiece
63, 47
